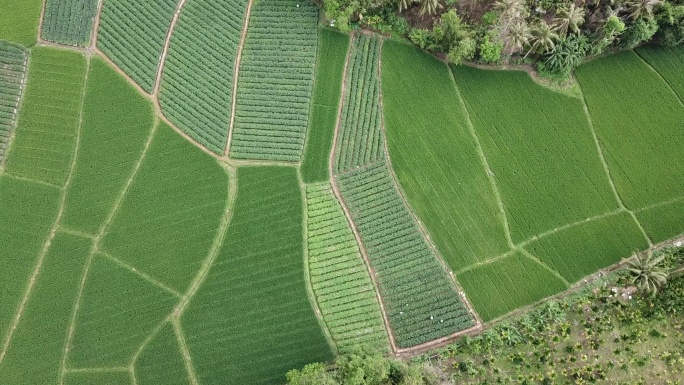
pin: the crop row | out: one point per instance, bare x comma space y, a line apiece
132, 33
360, 141
340, 280
12, 79
276, 78
68, 21
197, 82
421, 301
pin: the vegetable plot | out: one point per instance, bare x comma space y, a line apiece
13, 60
68, 21
276, 81
197, 81
339, 277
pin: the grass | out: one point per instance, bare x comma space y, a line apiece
588, 247
343, 289
507, 284
663, 222
117, 312
255, 296
98, 378
161, 361
132, 33
420, 300
49, 118
540, 148
638, 121
169, 218
276, 81
46, 316
116, 123
436, 158
197, 83
668, 62
13, 59
69, 22
21, 24
28, 211
332, 51
360, 138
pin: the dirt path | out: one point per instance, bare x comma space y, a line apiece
167, 42
236, 73
343, 204
96, 27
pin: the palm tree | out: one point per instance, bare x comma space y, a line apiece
517, 36
648, 273
405, 4
641, 8
510, 10
429, 6
542, 38
570, 18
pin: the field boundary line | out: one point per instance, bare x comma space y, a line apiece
139, 273
483, 160
77, 233
307, 271
486, 262
53, 230
134, 380
41, 19
659, 204
94, 33
153, 334
96, 244
15, 125
185, 352
667, 84
606, 168
423, 232
73, 48
343, 204
31, 180
262, 163
551, 270
167, 42
236, 74
100, 370
216, 245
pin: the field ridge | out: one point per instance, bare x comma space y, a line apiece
165, 49
236, 73
662, 78
140, 274
55, 226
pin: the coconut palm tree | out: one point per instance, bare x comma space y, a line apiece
648, 272
641, 8
542, 38
429, 6
517, 36
569, 18
511, 10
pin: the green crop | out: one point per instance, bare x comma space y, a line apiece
68, 21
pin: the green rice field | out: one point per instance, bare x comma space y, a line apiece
200, 192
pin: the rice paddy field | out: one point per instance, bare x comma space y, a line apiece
210, 193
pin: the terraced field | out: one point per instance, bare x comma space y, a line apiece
265, 192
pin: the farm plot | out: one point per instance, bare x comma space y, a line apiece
507, 284
49, 118
421, 301
98, 378
326, 98
27, 212
638, 120
168, 220
35, 353
116, 123
68, 21
161, 361
541, 150
276, 81
435, 157
360, 139
197, 82
582, 249
668, 62
13, 60
251, 321
340, 280
20, 25
664, 221
118, 311
132, 33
